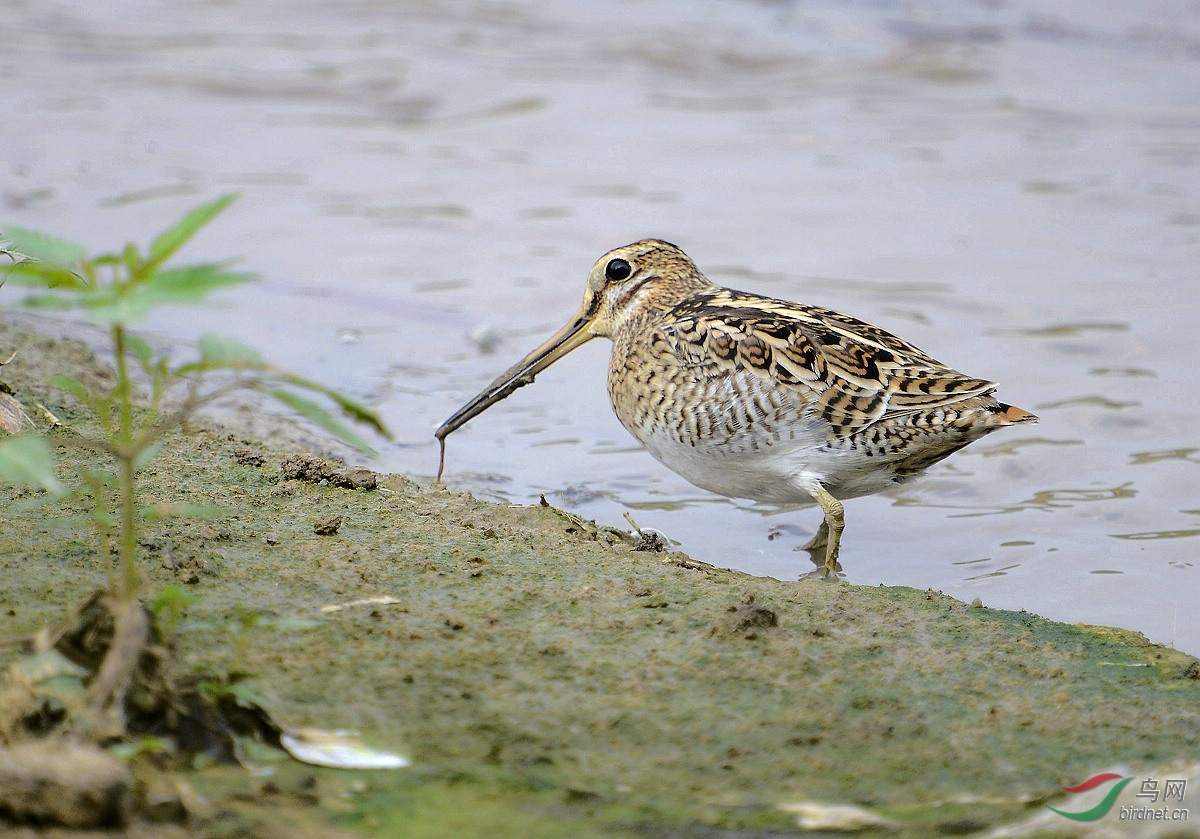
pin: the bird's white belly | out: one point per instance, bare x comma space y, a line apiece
782, 473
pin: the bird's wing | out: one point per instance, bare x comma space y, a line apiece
847, 371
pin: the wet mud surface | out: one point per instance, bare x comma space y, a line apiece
546, 679
1012, 186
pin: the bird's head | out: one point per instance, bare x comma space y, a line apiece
624, 285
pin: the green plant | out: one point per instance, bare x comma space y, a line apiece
115, 290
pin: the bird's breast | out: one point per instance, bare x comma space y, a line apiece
723, 430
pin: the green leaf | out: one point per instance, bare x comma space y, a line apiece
105, 305
127, 304
319, 416
168, 607
31, 272
115, 306
29, 461
144, 745
170, 603
172, 239
162, 370
73, 387
41, 247
50, 301
219, 350
140, 349
146, 455
351, 408
133, 261
189, 284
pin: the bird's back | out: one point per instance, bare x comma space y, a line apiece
746, 395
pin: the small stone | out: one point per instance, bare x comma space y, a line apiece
327, 525
13, 418
272, 538
356, 478
161, 802
57, 782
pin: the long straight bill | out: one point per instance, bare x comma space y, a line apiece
572, 335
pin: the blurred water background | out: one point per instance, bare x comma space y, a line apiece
1012, 185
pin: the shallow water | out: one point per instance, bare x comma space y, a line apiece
1013, 187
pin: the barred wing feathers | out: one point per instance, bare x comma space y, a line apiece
853, 374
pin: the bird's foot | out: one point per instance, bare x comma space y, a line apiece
819, 573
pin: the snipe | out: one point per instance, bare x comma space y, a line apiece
757, 398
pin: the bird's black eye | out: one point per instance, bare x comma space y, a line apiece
617, 270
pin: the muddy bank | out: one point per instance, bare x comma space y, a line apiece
546, 679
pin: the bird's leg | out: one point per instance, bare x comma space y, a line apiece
835, 520
819, 539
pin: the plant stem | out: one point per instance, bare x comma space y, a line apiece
126, 455
128, 549
100, 502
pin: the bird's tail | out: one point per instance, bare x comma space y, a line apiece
1012, 415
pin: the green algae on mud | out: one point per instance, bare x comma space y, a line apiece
547, 680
